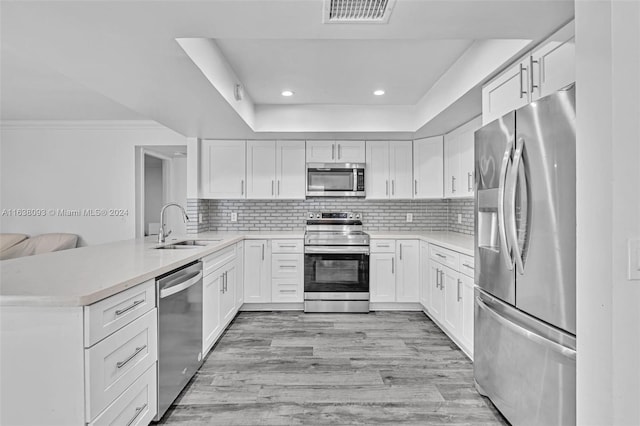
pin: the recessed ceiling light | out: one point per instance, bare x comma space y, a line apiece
379, 92
287, 93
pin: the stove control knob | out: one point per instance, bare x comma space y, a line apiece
317, 215
357, 215
310, 215
350, 216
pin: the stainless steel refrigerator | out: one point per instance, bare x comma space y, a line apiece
525, 248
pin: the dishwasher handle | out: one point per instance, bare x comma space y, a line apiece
181, 285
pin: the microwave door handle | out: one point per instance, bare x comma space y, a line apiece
504, 244
516, 172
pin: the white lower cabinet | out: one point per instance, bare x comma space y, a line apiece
210, 314
257, 271
424, 275
136, 406
450, 284
394, 271
287, 277
219, 293
408, 276
382, 277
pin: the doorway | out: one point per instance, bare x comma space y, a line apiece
161, 177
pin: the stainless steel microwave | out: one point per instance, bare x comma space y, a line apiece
335, 180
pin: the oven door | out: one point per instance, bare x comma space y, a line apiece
335, 269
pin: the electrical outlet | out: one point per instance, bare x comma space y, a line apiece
409, 217
199, 217
459, 218
234, 216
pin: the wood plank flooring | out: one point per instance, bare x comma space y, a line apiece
291, 368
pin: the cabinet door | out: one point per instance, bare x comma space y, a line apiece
290, 169
350, 151
505, 93
401, 169
424, 275
240, 275
553, 63
377, 170
435, 290
228, 294
223, 169
382, 277
466, 334
428, 167
451, 165
257, 271
261, 169
210, 311
321, 152
452, 300
466, 144
408, 276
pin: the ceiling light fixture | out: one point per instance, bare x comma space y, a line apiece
287, 93
379, 92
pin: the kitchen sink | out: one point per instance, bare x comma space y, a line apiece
186, 244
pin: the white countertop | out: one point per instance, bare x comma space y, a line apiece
461, 243
86, 275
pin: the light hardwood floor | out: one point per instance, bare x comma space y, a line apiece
291, 368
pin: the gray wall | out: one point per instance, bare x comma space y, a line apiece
280, 215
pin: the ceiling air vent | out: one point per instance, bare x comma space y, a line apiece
357, 11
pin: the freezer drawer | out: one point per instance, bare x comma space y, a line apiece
525, 367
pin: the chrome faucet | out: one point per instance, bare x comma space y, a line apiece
161, 234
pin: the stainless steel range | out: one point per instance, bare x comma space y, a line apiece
336, 263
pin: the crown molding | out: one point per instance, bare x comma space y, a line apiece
82, 124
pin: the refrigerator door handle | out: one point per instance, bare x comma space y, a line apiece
504, 244
515, 170
549, 344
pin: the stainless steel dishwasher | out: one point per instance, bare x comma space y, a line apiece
179, 304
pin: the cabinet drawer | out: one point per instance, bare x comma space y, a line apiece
467, 265
111, 314
383, 246
286, 246
113, 364
445, 256
286, 290
287, 266
215, 260
136, 406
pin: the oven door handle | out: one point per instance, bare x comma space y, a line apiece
336, 250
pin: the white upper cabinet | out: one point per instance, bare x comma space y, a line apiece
335, 151
553, 63
350, 151
549, 67
458, 160
506, 92
428, 163
290, 169
222, 169
275, 169
261, 169
389, 171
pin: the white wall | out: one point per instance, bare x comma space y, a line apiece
78, 165
608, 210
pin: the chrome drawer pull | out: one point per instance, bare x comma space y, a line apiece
133, 355
288, 246
128, 308
468, 266
459, 298
288, 266
288, 291
440, 255
382, 245
135, 416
